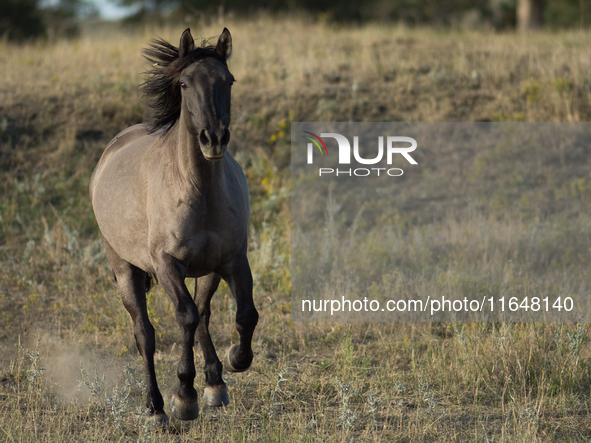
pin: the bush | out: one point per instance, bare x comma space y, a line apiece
21, 20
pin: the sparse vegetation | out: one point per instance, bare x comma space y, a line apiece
60, 105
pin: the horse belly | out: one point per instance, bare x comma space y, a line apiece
117, 200
124, 230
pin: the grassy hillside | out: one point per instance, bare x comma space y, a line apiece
63, 326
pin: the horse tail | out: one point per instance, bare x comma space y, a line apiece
149, 282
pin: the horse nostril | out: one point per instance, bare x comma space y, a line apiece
204, 138
225, 137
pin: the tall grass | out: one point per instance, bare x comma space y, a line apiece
472, 256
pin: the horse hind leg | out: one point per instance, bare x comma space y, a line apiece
131, 283
215, 392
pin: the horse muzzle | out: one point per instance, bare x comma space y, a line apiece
214, 144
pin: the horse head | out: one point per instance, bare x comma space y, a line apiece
206, 91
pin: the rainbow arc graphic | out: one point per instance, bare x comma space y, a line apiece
315, 140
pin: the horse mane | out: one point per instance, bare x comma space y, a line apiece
161, 91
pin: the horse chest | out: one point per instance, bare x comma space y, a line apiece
205, 253
202, 238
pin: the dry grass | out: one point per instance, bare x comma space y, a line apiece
60, 104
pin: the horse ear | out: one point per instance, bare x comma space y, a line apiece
187, 45
224, 46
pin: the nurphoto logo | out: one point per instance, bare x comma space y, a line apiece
393, 146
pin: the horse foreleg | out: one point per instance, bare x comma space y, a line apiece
239, 279
171, 275
215, 393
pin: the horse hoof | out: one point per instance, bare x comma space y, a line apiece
182, 409
216, 395
158, 421
233, 366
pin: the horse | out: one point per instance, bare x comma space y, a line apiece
172, 203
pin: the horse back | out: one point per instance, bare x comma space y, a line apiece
124, 139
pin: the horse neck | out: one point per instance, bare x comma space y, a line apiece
193, 172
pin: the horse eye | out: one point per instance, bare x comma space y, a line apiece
183, 85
